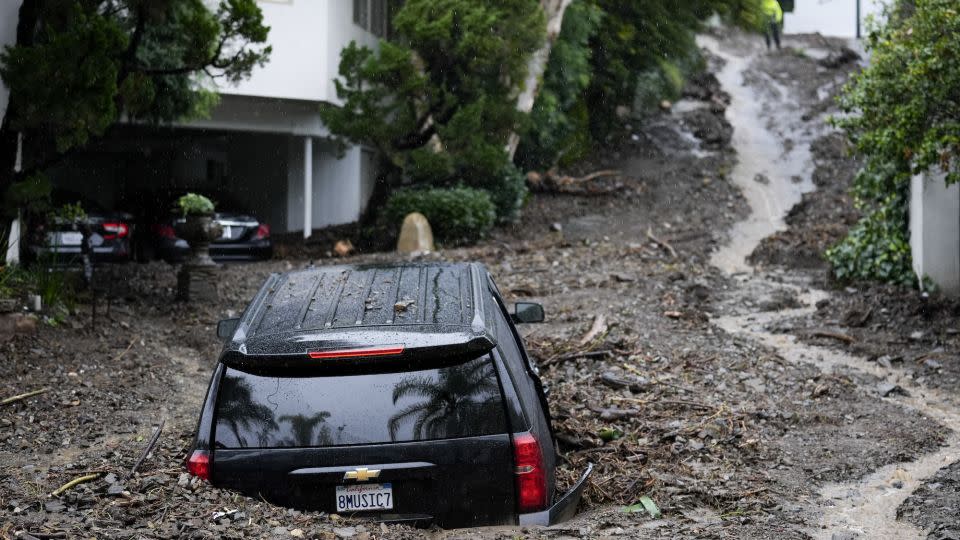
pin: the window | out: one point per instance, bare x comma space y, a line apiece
452, 401
360, 13
371, 15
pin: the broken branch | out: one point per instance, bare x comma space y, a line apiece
14, 399
75, 482
833, 335
661, 243
599, 326
148, 449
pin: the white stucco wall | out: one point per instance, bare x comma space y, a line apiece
307, 37
8, 34
337, 184
935, 230
829, 17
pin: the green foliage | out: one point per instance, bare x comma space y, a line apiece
439, 100
556, 130
637, 37
902, 115
70, 213
878, 246
31, 194
81, 65
904, 107
194, 204
458, 215
614, 54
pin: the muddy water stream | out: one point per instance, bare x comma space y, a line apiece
773, 178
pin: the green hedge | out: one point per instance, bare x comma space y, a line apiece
458, 215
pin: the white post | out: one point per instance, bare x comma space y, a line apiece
12, 255
307, 187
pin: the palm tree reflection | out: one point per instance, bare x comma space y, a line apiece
244, 417
303, 426
464, 398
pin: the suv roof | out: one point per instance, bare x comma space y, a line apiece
424, 309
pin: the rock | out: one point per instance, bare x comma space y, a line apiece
110, 478
666, 105
534, 179
844, 535
898, 484
343, 248
416, 236
556, 227
54, 506
12, 324
345, 532
932, 364
621, 277
836, 59
761, 178
887, 389
7, 305
297, 533
115, 489
885, 361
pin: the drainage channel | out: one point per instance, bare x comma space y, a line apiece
868, 506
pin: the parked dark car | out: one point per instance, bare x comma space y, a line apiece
245, 238
60, 242
402, 393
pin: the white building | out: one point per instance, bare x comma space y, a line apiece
264, 145
836, 18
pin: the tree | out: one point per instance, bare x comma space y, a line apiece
80, 66
903, 115
303, 427
440, 100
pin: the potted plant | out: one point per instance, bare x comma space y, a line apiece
198, 227
196, 280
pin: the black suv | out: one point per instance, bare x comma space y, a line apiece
399, 392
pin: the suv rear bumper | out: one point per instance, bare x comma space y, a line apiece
564, 509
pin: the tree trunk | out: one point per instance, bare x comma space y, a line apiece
29, 15
554, 9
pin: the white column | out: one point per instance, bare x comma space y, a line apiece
935, 230
307, 187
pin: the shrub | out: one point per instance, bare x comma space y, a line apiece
193, 204
877, 247
507, 190
458, 215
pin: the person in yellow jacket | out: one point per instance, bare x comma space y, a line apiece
773, 21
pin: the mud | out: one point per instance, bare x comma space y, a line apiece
734, 426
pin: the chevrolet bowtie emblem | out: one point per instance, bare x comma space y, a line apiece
362, 474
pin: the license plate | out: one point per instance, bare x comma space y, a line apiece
71, 238
364, 497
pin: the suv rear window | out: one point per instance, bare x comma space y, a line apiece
260, 411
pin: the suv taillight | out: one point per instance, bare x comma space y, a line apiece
531, 477
198, 464
263, 231
115, 230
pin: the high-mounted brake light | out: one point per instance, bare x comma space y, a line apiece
115, 230
530, 474
392, 350
198, 464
